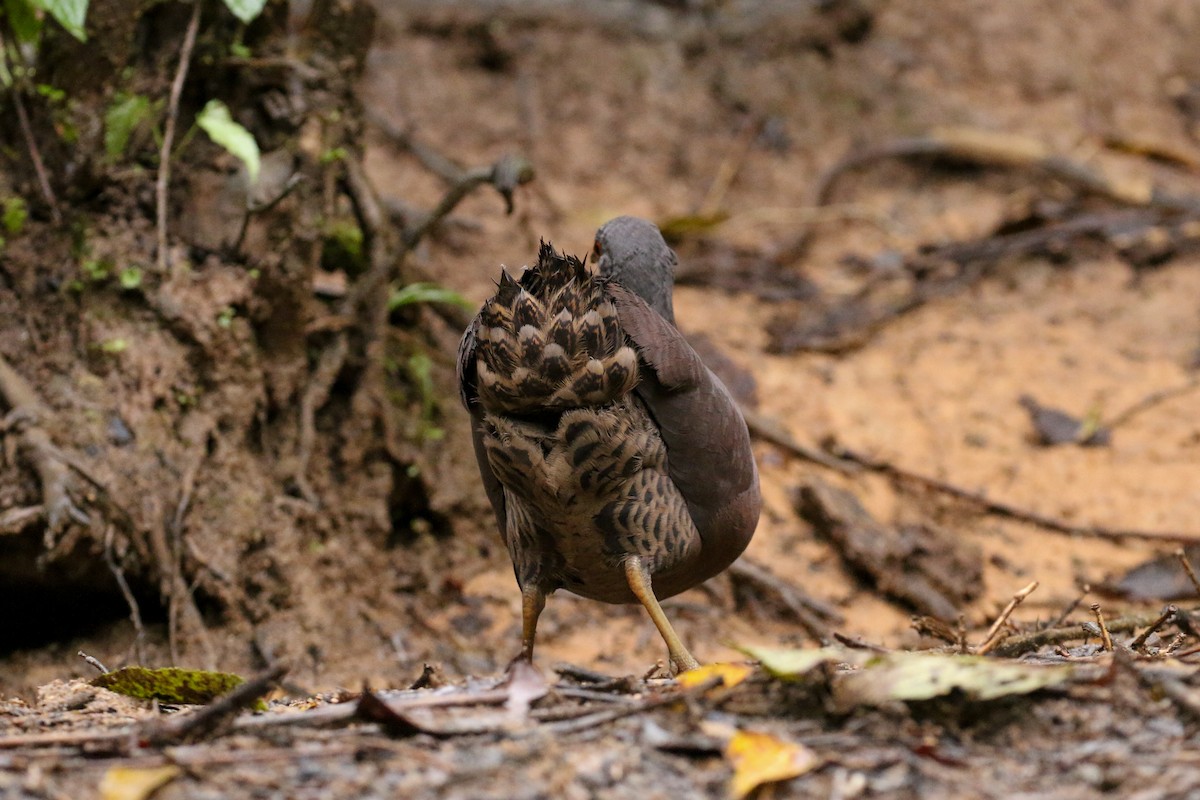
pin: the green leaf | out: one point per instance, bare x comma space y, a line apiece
426, 293
245, 10
921, 676
69, 13
792, 663
215, 120
122, 118
25, 22
169, 685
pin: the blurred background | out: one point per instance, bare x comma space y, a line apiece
894, 221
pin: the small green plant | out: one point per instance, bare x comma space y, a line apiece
420, 372
426, 293
25, 16
215, 120
130, 278
123, 117
225, 316
51, 93
333, 154
114, 346
343, 247
96, 270
13, 213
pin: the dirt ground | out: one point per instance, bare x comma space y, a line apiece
640, 108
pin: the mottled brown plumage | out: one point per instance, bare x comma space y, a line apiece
618, 465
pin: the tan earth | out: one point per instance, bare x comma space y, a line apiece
622, 124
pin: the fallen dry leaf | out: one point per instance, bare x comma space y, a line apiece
129, 783
730, 674
920, 676
526, 685
759, 758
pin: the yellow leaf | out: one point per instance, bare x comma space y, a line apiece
730, 674
128, 783
760, 758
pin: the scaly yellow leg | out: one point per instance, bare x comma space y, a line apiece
639, 581
533, 600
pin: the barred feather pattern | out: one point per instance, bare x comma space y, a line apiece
582, 465
591, 490
551, 341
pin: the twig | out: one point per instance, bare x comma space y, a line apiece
381, 259
988, 149
990, 640
1175, 644
604, 717
1006, 510
432, 160
261, 208
1163, 619
135, 612
164, 154
342, 713
1022, 643
858, 643
505, 175
35, 155
94, 662
1149, 401
804, 609
1085, 590
772, 431
314, 397
1187, 567
1104, 634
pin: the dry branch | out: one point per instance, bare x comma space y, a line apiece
1003, 509
990, 149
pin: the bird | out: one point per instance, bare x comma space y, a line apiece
618, 465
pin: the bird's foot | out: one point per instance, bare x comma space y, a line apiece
682, 661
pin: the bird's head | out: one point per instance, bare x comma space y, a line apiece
632, 252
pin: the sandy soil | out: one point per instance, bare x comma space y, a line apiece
937, 392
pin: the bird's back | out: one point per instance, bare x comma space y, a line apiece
549, 342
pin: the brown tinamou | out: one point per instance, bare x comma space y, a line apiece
618, 465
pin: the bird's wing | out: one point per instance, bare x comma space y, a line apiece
466, 390
708, 445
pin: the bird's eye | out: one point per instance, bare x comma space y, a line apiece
596, 250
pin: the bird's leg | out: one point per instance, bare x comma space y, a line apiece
639, 581
533, 600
